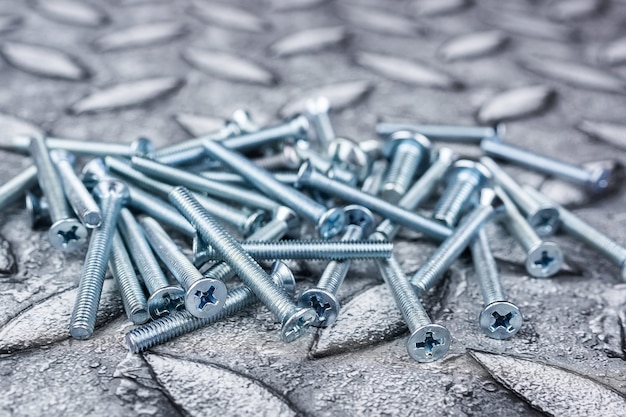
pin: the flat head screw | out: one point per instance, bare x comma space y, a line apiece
295, 321
17, 186
445, 133
112, 196
329, 222
66, 233
499, 319
350, 156
318, 112
87, 147
409, 153
38, 212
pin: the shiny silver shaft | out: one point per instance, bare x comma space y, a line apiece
371, 184
289, 178
440, 132
337, 269
17, 186
486, 269
82, 147
318, 109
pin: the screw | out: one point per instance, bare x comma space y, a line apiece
295, 321
325, 165
597, 181
112, 195
408, 153
322, 298
287, 158
575, 226
543, 259
167, 328
543, 218
463, 181
133, 298
77, 195
164, 298
371, 184
38, 211
66, 233
443, 132
329, 222
499, 319
350, 156
429, 274
140, 146
308, 177
17, 186
318, 111
230, 177
204, 296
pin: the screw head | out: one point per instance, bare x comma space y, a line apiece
94, 171
166, 301
323, 302
605, 178
67, 235
500, 320
253, 222
291, 218
243, 121
37, 208
297, 324
60, 155
465, 167
205, 297
109, 187
406, 136
428, 343
331, 223
544, 260
300, 124
142, 147
544, 221
360, 216
283, 277
349, 155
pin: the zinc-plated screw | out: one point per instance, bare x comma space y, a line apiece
295, 321
499, 318
575, 226
287, 158
427, 342
164, 298
325, 165
543, 218
408, 154
66, 233
289, 178
323, 297
318, 111
329, 222
112, 195
77, 195
17, 186
308, 177
371, 184
167, 328
433, 269
543, 258
141, 146
204, 296
38, 211
350, 156
596, 181
133, 298
444, 132
463, 181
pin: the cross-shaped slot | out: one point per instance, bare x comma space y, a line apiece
502, 321
319, 307
69, 235
545, 221
206, 297
297, 327
545, 260
165, 307
429, 343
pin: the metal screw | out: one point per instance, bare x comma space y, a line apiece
322, 298
318, 111
140, 146
575, 226
372, 183
112, 195
17, 186
499, 319
463, 181
543, 259
325, 165
295, 321
445, 132
408, 153
596, 181
77, 195
230, 177
350, 156
167, 328
543, 218
66, 233
329, 222
287, 158
204, 296
164, 298
38, 211
433, 269
308, 177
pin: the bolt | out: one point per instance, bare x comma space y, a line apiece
77, 195
167, 328
543, 218
310, 178
164, 298
133, 298
17, 186
433, 269
66, 233
596, 181
38, 211
322, 298
408, 153
318, 111
295, 321
112, 196
371, 184
443, 132
499, 319
350, 156
575, 226
85, 147
463, 181
543, 259
204, 296
329, 222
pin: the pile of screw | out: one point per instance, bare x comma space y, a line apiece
133, 197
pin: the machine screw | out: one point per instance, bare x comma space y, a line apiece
66, 233
204, 296
433, 269
499, 319
444, 132
141, 146
463, 181
372, 183
329, 222
323, 297
38, 211
112, 196
408, 153
231, 177
287, 158
543, 218
325, 165
295, 321
575, 226
597, 181
167, 328
350, 156
318, 110
17, 186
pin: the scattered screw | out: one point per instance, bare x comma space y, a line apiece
409, 153
445, 133
17, 186
318, 110
141, 146
38, 211
350, 156
372, 183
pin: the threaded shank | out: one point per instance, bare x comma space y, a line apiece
146, 203
405, 163
455, 199
486, 270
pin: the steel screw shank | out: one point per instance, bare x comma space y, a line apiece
318, 110
443, 132
17, 186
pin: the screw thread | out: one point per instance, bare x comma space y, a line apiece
372, 183
486, 270
157, 209
404, 166
190, 150
456, 198
77, 195
336, 271
272, 162
296, 127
